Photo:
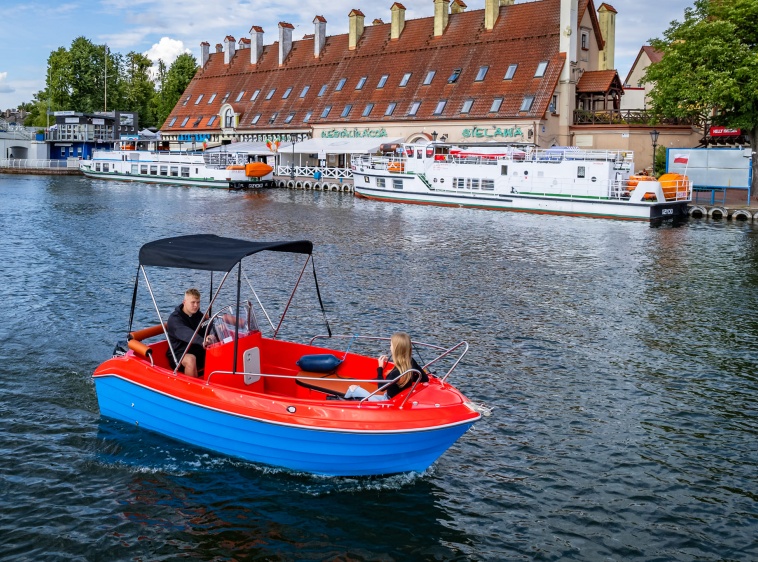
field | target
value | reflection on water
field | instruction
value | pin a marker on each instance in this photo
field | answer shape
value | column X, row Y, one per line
column 619, row 360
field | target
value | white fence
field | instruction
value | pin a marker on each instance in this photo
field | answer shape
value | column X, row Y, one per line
column 310, row 171
column 26, row 163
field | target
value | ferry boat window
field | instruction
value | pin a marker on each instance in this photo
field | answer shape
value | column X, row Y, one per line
column 346, row 110
column 153, row 170
column 440, row 107
column 391, row 108
column 143, row 169
column 271, row 93
column 226, row 97
column 380, row 182
column 255, row 95
column 504, row 170
column 414, row 108
column 289, row 118
column 134, row 169
column 97, row 164
column 199, row 98
column 105, row 167
column 184, row 121
column 307, row 117
column 185, row 171
column 367, row 109
column 366, row 179
column 488, row 185
column 361, row 83
column 510, row 72
column 467, row 104
column 255, row 118
column 526, row 104
column 406, row 77
column 481, row 74
column 164, row 170
column 305, row 91
column 287, row 93
column 454, row 76
column 175, row 171
column 340, row 84
column 239, row 96
column 473, row 183
column 429, row 77
column 211, row 120
column 213, row 97
column 397, row 184
column 173, row 120
column 459, row 183
column 382, row 81
column 541, row 68
column 187, row 100
column 580, row 171
column 326, row 111
column 322, row 91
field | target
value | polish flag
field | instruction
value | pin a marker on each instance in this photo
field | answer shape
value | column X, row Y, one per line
column 681, row 158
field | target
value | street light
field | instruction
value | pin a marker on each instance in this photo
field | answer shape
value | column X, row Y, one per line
column 434, row 136
column 654, row 137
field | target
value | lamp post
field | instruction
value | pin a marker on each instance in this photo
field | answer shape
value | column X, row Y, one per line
column 434, row 136
column 654, row 137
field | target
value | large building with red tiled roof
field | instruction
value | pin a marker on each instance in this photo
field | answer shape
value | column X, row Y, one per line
column 507, row 72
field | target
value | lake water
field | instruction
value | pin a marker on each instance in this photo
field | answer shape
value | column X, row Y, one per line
column 619, row 360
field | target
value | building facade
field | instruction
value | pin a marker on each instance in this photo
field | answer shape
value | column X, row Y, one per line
column 76, row 135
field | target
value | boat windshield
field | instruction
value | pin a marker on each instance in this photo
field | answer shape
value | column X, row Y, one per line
column 222, row 324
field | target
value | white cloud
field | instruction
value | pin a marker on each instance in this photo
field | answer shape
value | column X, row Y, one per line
column 5, row 88
column 167, row 50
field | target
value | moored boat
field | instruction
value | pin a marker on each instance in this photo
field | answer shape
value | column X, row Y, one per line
column 231, row 170
column 277, row 402
column 558, row 180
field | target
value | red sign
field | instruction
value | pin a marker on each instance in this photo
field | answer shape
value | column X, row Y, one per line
column 724, row 132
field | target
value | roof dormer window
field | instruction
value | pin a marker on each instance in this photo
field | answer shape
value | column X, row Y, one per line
column 361, row 83
column 496, row 103
column 305, row 91
column 289, row 117
column 526, row 103
column 239, row 96
column 429, row 77
column 211, row 120
column 382, row 81
column 326, row 111
column 510, row 72
column 391, row 108
column 271, row 93
column 466, row 108
column 307, row 117
column 454, row 76
column 481, row 74
column 340, row 84
column 256, row 93
column 187, row 100
column 273, row 117
column 226, row 97
column 287, row 93
column 367, row 109
column 199, row 98
column 541, row 68
column 440, row 107
column 213, row 97
column 184, row 121
column 346, row 110
column 256, row 118
column 171, row 123
column 322, row 91
column 197, row 121
column 414, row 108
column 406, row 77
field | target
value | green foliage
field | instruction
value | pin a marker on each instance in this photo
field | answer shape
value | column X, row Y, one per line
column 176, row 80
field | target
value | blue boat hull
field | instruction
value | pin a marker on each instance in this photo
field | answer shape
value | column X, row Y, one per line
column 327, row 452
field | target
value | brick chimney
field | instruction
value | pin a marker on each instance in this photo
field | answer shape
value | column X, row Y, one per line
column 377, row 21
column 398, row 20
column 441, row 12
column 285, row 40
column 319, row 35
column 568, row 36
column 457, row 7
column 229, row 48
column 256, row 44
column 205, row 49
column 606, row 16
column 219, row 48
column 356, row 28
column 492, row 11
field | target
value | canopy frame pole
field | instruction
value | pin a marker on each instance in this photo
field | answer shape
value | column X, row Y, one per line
column 292, row 295
column 237, row 317
column 252, row 290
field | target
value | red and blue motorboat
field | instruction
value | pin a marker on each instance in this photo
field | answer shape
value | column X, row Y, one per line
column 276, row 402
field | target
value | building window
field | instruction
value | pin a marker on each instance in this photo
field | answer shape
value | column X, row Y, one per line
column 340, row 84
column 273, row 117
column 289, row 117
column 429, row 77
column 226, row 97
column 367, row 109
column 256, row 93
column 361, row 83
column 382, row 81
column 307, row 117
column 200, row 97
column 271, row 93
column 184, row 121
column 173, row 120
column 510, row 72
column 541, row 68
column 467, row 106
column 481, row 74
column 322, row 91
column 326, row 111
column 256, row 118
column 211, row 120
column 346, row 110
column 454, row 76
column 229, row 118
column 391, row 108
column 440, row 107
column 186, row 100
column 239, row 96
column 553, row 107
column 585, row 40
column 213, row 97
column 414, row 108
column 305, row 91
column 287, row 93
column 197, row 121
column 526, row 104
column 496, row 103
column 404, row 81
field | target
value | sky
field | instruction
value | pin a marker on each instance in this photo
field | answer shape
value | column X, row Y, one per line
column 32, row 29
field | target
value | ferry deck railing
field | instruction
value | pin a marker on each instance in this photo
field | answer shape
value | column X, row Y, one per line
column 310, row 171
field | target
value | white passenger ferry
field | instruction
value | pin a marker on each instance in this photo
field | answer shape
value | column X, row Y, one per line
column 559, row 180
column 232, row 170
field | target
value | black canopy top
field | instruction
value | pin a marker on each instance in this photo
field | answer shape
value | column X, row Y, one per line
column 210, row 252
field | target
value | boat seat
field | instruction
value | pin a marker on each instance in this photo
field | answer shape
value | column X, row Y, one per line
column 330, row 383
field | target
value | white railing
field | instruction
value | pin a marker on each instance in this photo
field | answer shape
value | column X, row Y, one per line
column 309, row 171
column 26, row 163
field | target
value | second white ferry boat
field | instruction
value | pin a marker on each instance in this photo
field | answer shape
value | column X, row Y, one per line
column 559, row 180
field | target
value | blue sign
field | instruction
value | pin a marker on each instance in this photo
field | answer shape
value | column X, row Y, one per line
column 193, row 137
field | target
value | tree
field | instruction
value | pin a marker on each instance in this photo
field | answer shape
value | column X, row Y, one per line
column 138, row 87
column 709, row 68
column 178, row 77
